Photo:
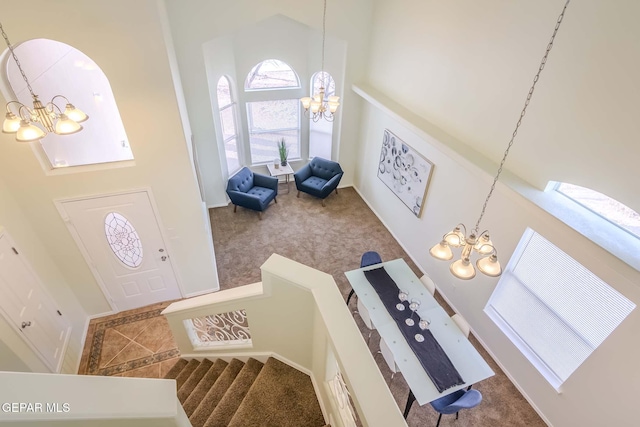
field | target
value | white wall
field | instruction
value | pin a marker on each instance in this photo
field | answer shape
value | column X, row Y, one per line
column 126, row 40
column 194, row 23
column 466, row 66
column 455, row 194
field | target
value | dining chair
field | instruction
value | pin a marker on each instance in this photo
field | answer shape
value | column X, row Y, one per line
column 368, row 258
column 388, row 357
column 428, row 283
column 452, row 403
column 462, row 324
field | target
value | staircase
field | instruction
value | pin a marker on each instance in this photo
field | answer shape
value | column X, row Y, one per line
column 251, row 394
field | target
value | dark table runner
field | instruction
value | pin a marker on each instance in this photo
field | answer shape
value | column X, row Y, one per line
column 431, row 356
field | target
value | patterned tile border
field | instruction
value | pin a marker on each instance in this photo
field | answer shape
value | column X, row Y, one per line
column 93, row 367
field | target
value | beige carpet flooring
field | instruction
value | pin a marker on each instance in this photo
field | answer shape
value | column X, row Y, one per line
column 332, row 239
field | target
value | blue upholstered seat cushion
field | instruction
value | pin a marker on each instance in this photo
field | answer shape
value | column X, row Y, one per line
column 314, row 183
column 263, row 193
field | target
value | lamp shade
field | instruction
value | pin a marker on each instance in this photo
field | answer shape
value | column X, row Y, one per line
column 75, row 114
column 11, row 123
column 489, row 266
column 484, row 245
column 455, row 238
column 462, row 269
column 66, row 126
column 28, row 132
column 306, row 101
column 441, row 251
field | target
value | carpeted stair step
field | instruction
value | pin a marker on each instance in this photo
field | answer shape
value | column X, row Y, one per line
column 236, row 392
column 176, row 369
column 215, row 394
column 186, row 372
column 194, row 379
column 203, row 387
column 280, row 396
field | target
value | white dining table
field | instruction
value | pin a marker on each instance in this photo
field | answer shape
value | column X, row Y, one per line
column 463, row 355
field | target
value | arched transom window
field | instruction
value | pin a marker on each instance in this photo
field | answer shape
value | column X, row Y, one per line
column 55, row 68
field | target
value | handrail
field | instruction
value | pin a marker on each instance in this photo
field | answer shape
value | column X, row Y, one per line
column 299, row 314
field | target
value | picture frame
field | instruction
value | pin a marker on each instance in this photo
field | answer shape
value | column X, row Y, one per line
column 405, row 171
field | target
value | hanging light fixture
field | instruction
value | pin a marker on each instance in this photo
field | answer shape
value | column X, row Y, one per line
column 49, row 116
column 477, row 242
column 318, row 107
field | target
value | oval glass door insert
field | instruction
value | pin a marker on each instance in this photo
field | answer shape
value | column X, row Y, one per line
column 123, row 239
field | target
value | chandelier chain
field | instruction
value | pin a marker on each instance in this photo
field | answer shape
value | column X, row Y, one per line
column 24, row 76
column 324, row 20
column 522, row 113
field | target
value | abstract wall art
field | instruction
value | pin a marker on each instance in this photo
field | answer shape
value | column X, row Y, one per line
column 404, row 171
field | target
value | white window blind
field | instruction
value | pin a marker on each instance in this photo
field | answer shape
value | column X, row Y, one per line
column 553, row 309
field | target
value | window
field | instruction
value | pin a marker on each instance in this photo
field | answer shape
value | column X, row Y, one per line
column 270, row 121
column 55, row 68
column 321, row 132
column 271, row 74
column 553, row 309
column 274, row 113
column 613, row 211
column 227, row 108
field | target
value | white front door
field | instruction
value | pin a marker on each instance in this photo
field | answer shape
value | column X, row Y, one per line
column 120, row 237
column 28, row 308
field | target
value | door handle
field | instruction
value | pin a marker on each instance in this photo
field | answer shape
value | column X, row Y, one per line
column 25, row 324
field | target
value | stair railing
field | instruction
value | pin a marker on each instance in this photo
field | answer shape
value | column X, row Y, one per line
column 296, row 314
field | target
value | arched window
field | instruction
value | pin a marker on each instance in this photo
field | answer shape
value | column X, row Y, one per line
column 227, row 108
column 271, row 74
column 55, row 68
column 613, row 211
column 321, row 132
column 278, row 116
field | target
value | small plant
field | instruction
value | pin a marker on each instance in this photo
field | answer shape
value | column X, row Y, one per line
column 283, row 151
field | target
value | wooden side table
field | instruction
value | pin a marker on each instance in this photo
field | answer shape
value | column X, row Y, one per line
column 280, row 171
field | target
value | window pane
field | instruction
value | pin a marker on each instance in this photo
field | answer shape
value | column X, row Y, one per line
column 224, row 92
column 228, row 122
column 271, row 74
column 554, row 310
column 269, row 121
column 610, row 209
column 328, row 82
column 231, row 151
column 276, row 114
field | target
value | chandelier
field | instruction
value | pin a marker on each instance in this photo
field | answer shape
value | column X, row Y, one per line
column 321, row 107
column 481, row 243
column 50, row 116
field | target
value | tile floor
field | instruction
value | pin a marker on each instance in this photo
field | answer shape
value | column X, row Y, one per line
column 134, row 343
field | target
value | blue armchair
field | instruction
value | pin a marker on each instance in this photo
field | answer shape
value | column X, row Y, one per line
column 318, row 178
column 251, row 190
